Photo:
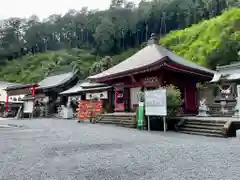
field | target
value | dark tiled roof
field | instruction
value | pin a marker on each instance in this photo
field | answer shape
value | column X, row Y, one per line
column 149, row 55
column 21, row 86
column 56, row 80
column 4, row 85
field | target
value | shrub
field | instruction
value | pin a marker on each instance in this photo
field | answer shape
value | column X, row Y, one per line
column 173, row 100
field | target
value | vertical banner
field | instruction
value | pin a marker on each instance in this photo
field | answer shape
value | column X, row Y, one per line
column 140, row 115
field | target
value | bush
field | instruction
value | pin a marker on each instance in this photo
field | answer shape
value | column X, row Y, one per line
column 173, row 100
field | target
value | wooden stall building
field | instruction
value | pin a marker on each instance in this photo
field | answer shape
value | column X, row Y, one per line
column 45, row 94
column 85, row 93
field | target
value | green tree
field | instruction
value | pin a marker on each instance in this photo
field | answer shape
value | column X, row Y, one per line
column 99, row 66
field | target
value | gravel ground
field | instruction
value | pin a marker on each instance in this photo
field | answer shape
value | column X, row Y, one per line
column 64, row 150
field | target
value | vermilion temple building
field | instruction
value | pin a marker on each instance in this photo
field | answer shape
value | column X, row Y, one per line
column 151, row 67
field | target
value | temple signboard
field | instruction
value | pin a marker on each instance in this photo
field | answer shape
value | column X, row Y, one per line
column 152, row 81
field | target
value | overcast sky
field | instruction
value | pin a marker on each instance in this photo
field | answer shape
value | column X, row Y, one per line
column 44, row 8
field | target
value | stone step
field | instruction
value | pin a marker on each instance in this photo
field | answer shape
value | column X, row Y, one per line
column 107, row 122
column 123, row 121
column 205, row 123
column 222, row 115
column 128, row 120
column 128, row 125
column 197, row 126
column 201, row 133
column 112, row 118
column 119, row 116
column 210, row 131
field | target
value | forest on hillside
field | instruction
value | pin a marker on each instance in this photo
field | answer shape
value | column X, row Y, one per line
column 92, row 41
column 210, row 43
column 107, row 32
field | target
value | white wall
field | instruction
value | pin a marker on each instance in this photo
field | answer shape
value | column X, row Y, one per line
column 3, row 97
column 134, row 95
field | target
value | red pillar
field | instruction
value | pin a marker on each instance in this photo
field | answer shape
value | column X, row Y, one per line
column 33, row 91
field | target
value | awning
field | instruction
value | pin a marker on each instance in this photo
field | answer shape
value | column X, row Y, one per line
column 79, row 89
column 75, row 89
column 96, row 89
column 234, row 76
column 91, row 84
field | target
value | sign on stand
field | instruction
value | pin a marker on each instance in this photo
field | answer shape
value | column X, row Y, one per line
column 156, row 104
column 237, row 107
column 88, row 109
column 28, row 107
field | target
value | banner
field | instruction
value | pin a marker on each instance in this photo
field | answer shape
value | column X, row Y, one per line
column 140, row 115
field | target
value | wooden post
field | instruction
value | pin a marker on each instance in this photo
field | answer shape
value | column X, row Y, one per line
column 148, row 123
column 7, row 104
column 164, row 124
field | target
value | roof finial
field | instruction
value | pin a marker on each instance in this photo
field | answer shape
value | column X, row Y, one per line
column 153, row 39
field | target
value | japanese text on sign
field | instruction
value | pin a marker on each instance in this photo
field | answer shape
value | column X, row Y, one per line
column 156, row 102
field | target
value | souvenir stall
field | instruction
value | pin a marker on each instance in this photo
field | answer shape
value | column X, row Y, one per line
column 91, row 96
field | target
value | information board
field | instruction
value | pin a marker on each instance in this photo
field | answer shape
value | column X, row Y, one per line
column 28, row 107
column 156, row 102
column 87, row 108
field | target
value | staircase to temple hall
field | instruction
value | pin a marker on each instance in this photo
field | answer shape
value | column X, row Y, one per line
column 120, row 119
column 201, row 126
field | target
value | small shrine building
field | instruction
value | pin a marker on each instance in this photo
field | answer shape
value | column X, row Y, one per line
column 90, row 91
column 224, row 86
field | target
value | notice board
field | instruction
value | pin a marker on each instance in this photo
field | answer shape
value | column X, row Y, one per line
column 88, row 108
column 156, row 102
column 28, row 106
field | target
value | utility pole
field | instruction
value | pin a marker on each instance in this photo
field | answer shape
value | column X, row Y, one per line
column 87, row 37
column 82, row 34
column 123, row 39
column 146, row 32
column 163, row 25
column 139, row 37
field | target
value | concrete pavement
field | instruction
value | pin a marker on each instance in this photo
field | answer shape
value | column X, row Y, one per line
column 65, row 150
